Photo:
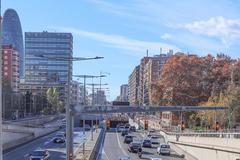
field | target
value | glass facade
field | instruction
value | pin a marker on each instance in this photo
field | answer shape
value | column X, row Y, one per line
column 51, row 70
column 12, row 35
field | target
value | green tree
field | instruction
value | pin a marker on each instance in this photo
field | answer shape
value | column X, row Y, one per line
column 53, row 100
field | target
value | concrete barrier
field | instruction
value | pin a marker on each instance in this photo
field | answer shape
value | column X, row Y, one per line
column 207, row 147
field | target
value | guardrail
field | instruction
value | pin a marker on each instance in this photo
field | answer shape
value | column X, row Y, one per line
column 208, row 134
column 97, row 148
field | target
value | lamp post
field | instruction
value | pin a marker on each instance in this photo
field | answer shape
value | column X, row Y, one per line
column 69, row 117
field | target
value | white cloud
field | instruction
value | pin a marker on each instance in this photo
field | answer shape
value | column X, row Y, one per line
column 227, row 30
column 121, row 42
column 166, row 36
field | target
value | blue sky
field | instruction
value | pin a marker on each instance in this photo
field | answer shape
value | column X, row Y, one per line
column 122, row 31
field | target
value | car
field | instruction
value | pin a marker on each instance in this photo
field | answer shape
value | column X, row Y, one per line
column 128, row 139
column 134, row 146
column 59, row 138
column 155, row 139
column 147, row 143
column 132, row 128
column 155, row 158
column 120, row 128
column 164, row 149
column 124, row 132
column 87, row 127
column 39, row 155
column 125, row 158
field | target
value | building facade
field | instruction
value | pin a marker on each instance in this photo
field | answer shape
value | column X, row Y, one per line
column 133, row 86
column 47, row 60
column 77, row 93
column 12, row 35
column 10, row 69
column 124, row 93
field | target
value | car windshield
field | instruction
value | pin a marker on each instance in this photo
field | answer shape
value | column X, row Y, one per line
column 38, row 153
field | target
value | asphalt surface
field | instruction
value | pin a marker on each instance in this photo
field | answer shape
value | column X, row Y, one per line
column 114, row 148
column 57, row 151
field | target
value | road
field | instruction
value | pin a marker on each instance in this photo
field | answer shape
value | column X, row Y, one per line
column 57, row 151
column 114, row 148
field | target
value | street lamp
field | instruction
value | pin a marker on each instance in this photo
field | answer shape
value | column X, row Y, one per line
column 69, row 118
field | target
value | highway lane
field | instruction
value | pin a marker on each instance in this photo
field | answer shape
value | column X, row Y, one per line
column 114, row 148
column 57, row 151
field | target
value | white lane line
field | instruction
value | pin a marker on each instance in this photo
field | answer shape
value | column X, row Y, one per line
column 105, row 154
column 119, row 144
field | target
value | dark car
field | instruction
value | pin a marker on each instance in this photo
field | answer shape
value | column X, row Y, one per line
column 59, row 138
column 147, row 143
column 128, row 139
column 134, row 147
column 124, row 132
column 39, row 155
column 133, row 129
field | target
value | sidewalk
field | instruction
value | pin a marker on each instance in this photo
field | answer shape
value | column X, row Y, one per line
column 89, row 145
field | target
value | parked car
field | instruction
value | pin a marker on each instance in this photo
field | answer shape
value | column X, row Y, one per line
column 39, row 155
column 134, row 147
column 132, row 128
column 147, row 143
column 164, row 149
column 124, row 132
column 59, row 138
column 128, row 139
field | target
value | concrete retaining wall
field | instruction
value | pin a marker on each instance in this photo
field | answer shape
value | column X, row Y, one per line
column 204, row 148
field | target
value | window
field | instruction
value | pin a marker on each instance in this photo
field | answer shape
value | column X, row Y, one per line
column 5, row 73
column 5, row 57
column 5, row 68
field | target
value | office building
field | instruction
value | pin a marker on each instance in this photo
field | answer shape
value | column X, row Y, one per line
column 12, row 35
column 48, row 61
column 124, row 93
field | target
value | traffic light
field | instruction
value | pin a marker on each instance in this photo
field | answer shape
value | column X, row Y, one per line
column 217, row 126
column 183, row 126
column 146, row 125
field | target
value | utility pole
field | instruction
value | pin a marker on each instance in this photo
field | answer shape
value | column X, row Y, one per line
column 1, row 106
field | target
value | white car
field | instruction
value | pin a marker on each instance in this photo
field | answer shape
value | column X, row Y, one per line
column 155, row 139
column 164, row 149
column 155, row 158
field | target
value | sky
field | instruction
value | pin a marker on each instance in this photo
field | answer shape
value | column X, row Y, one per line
column 122, row 31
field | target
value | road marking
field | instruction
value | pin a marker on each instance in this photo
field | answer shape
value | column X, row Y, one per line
column 105, row 154
column 119, row 144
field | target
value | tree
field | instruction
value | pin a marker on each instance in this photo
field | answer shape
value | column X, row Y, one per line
column 53, row 100
column 232, row 101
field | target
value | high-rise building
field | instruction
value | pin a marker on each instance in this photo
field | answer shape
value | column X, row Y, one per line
column 98, row 98
column 149, row 73
column 133, row 86
column 53, row 68
column 12, row 35
column 10, row 69
column 124, row 93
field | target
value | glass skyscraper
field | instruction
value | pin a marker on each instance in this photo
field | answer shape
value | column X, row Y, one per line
column 12, row 35
column 51, row 71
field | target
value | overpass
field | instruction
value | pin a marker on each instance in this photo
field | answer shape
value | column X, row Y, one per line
column 134, row 109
